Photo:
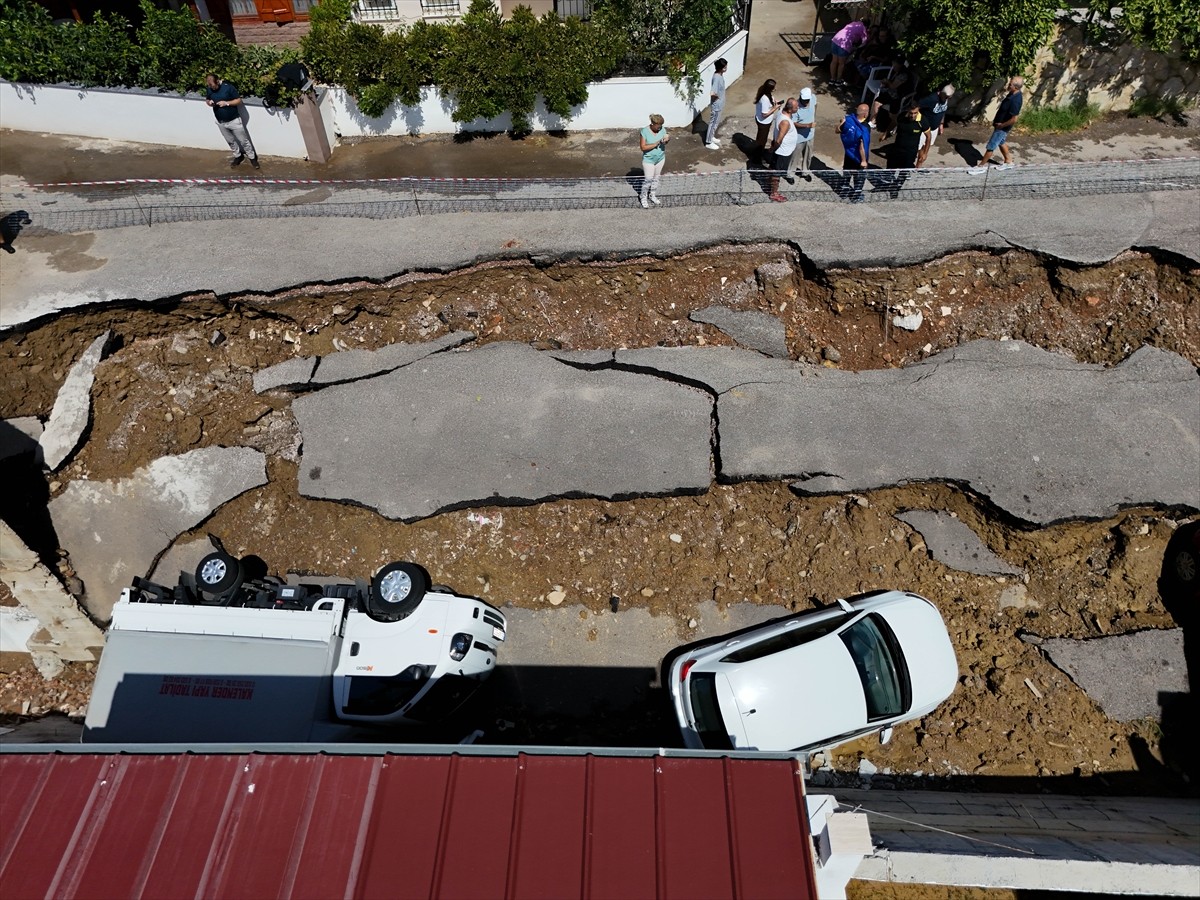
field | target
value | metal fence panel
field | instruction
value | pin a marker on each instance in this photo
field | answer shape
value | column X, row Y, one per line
column 87, row 206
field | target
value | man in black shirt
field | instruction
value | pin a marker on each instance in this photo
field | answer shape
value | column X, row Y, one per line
column 1005, row 119
column 225, row 101
column 902, row 154
column 933, row 117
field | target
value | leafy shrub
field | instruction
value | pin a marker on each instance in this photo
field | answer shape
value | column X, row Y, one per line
column 1155, row 107
column 169, row 50
column 488, row 65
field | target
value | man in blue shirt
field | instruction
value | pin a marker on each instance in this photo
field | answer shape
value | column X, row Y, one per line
column 856, row 145
column 1002, row 123
column 226, row 104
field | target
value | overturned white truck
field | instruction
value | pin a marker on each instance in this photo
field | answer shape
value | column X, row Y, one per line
column 230, row 654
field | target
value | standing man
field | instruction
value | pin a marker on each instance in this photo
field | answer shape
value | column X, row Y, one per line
column 1006, row 118
column 902, row 155
column 783, row 144
column 804, row 118
column 225, row 101
column 933, row 116
column 856, row 144
column 716, row 104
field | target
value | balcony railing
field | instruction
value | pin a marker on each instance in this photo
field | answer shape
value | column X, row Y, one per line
column 390, row 10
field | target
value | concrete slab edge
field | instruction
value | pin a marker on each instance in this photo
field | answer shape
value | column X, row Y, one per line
column 1024, row 873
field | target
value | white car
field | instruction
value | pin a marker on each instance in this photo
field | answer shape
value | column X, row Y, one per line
column 815, row 679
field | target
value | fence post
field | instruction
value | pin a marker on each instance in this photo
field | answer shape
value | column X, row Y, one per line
column 413, row 187
column 983, row 188
column 145, row 214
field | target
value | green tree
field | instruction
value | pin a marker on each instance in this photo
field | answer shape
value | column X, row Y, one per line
column 972, row 43
column 670, row 36
column 1157, row 24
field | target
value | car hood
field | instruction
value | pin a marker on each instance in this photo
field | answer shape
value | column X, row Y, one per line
column 800, row 697
column 932, row 666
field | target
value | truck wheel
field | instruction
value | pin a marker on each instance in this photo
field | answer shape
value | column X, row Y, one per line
column 218, row 573
column 396, row 590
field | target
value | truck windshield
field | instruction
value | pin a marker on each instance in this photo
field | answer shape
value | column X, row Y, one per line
column 876, row 654
column 381, row 695
column 446, row 695
column 707, row 712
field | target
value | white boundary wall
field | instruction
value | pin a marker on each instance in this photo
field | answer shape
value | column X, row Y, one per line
column 183, row 120
column 615, row 103
column 144, row 116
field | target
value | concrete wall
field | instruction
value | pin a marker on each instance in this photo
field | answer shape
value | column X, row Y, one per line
column 143, row 116
column 615, row 103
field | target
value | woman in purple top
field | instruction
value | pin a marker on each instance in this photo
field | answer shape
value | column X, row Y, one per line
column 846, row 42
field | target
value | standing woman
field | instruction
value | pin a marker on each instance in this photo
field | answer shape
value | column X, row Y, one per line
column 652, row 139
column 765, row 109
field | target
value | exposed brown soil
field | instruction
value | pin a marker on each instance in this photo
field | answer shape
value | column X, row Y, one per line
column 174, row 385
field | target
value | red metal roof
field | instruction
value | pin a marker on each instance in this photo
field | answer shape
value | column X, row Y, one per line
column 397, row 826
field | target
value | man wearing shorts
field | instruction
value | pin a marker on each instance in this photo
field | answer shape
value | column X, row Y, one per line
column 933, row 115
column 1006, row 118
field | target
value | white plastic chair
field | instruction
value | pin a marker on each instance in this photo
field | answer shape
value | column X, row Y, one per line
column 875, row 82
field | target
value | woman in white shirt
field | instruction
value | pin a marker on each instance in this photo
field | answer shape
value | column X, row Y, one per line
column 765, row 108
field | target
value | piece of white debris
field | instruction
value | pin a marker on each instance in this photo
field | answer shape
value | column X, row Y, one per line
column 946, row 310
column 1029, row 684
column 677, row 538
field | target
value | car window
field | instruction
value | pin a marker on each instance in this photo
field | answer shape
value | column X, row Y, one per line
column 707, row 712
column 880, row 664
column 374, row 695
column 793, row 637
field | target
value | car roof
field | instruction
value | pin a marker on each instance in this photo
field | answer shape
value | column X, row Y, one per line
column 784, row 698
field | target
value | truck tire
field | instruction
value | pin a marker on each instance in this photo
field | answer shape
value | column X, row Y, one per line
column 396, row 591
column 219, row 573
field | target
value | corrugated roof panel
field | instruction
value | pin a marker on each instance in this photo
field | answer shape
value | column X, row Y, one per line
column 269, row 817
column 548, row 834
column 772, row 857
column 48, row 821
column 620, row 860
column 476, row 829
column 132, row 811
column 189, row 848
column 693, row 830
column 397, row 826
column 336, row 829
column 400, row 855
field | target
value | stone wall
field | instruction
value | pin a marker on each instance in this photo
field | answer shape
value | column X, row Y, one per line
column 1110, row 72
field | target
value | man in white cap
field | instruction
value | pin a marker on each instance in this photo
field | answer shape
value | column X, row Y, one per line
column 933, row 117
column 803, row 119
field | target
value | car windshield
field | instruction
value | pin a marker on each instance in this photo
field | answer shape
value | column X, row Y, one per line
column 880, row 664
column 707, row 712
column 793, row 637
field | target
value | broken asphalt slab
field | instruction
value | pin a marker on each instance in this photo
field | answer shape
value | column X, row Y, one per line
column 1043, row 437
column 1126, row 673
column 114, row 530
column 952, row 543
column 126, row 263
column 72, row 407
column 502, row 423
column 350, row 365
column 751, row 329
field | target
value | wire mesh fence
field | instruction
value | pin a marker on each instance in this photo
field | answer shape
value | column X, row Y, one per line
column 87, row 206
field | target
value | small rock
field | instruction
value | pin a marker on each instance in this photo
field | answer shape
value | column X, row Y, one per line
column 554, row 598
column 1092, row 301
column 217, row 338
column 866, row 768
column 692, row 623
column 614, row 602
column 909, row 323
column 647, row 592
column 676, row 538
column 862, row 501
column 74, row 586
column 831, row 354
column 925, row 289
column 946, row 310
